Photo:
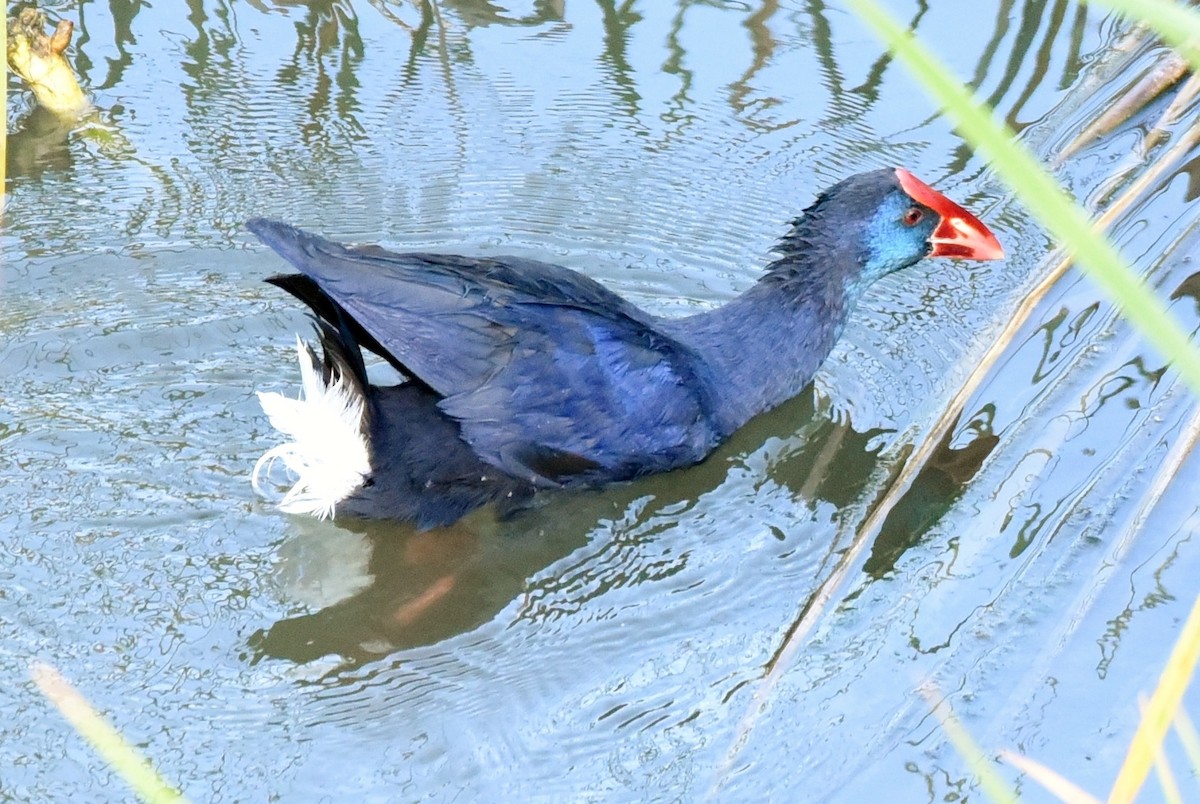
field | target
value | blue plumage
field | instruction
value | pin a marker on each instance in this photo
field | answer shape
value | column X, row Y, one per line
column 549, row 375
column 527, row 375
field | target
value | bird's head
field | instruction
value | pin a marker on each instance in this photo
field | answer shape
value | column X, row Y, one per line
column 874, row 223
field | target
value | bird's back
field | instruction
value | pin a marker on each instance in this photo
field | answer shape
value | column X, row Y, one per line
column 551, row 377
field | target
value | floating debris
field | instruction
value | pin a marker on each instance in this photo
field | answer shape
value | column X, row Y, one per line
column 1166, row 73
column 39, row 60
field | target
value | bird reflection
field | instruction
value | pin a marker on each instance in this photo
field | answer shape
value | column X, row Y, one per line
column 417, row 588
column 940, row 483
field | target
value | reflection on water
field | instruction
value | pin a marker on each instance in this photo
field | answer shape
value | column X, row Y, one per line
column 608, row 641
column 409, row 588
column 40, row 145
column 327, row 59
column 937, row 488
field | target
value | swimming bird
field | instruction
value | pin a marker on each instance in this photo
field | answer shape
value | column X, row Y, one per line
column 521, row 375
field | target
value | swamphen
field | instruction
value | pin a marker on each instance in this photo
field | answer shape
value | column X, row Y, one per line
column 524, row 375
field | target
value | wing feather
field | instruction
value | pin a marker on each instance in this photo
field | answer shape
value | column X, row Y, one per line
column 552, row 377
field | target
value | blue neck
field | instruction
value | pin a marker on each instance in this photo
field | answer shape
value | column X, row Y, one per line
column 764, row 347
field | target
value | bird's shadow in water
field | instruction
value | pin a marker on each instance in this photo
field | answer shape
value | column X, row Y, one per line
column 422, row 588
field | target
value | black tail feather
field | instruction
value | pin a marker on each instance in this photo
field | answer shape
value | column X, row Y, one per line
column 341, row 358
column 327, row 310
column 421, row 469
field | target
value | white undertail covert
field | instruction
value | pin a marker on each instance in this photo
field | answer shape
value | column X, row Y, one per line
column 327, row 453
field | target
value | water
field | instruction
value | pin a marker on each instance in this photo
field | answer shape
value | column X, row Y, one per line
column 607, row 645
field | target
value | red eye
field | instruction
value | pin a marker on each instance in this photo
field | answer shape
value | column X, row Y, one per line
column 913, row 216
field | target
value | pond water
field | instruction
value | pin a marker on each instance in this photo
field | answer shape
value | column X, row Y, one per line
column 609, row 645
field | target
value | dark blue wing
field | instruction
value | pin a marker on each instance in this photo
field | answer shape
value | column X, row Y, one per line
column 551, row 376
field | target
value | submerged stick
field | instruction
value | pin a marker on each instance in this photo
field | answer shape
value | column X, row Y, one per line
column 1169, row 70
